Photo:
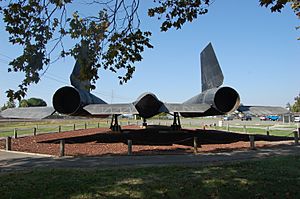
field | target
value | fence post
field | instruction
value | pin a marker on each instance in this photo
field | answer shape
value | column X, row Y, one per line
column 227, row 127
column 129, row 142
column 74, row 127
column 296, row 137
column 252, row 142
column 15, row 133
column 62, row 148
column 59, row 128
column 245, row 129
column 195, row 145
column 34, row 131
column 98, row 125
column 85, row 125
column 268, row 130
column 8, row 143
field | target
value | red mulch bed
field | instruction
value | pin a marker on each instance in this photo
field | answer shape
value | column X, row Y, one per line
column 31, row 144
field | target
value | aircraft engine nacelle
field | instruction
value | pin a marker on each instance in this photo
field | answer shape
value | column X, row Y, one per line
column 222, row 100
column 69, row 100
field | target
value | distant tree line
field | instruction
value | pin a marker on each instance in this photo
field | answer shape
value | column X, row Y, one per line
column 296, row 106
column 31, row 102
column 9, row 104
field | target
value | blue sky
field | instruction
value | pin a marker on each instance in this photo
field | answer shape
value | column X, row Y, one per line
column 258, row 52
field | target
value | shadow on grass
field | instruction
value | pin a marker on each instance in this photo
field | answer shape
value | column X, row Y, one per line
column 276, row 177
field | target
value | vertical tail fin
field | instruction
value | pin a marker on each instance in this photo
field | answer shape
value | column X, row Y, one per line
column 211, row 73
column 81, row 63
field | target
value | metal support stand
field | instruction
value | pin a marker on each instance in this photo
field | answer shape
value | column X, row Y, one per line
column 114, row 125
column 176, row 122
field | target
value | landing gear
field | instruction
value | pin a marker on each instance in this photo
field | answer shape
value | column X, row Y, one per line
column 144, row 123
column 176, row 122
column 114, row 125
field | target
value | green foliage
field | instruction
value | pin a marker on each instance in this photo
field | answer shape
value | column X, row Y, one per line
column 113, row 35
column 278, row 5
column 9, row 104
column 275, row 5
column 177, row 13
column 23, row 103
column 40, row 27
column 296, row 105
column 32, row 102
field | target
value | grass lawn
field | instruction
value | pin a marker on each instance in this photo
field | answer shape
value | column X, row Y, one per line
column 251, row 130
column 276, row 177
column 46, row 126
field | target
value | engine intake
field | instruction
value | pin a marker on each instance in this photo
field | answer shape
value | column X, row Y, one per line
column 69, row 100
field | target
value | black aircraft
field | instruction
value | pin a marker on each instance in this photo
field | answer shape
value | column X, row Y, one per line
column 76, row 100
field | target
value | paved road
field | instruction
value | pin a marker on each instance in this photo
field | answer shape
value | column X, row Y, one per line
column 10, row 161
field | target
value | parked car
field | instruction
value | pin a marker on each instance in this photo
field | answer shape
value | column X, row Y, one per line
column 273, row 117
column 263, row 118
column 246, row 117
column 228, row 117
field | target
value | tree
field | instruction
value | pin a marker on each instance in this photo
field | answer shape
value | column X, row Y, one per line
column 288, row 106
column 9, row 104
column 23, row 103
column 113, row 35
column 32, row 102
column 296, row 105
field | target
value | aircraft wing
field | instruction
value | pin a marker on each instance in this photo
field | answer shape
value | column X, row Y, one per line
column 28, row 112
column 186, row 108
column 263, row 110
column 110, row 109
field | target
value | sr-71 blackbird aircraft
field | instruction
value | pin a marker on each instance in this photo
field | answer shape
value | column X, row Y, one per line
column 76, row 100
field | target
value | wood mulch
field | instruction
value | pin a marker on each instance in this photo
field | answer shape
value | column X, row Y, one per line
column 32, row 144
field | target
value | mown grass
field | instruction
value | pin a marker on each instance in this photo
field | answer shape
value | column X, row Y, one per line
column 277, row 177
column 251, row 130
column 46, row 126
